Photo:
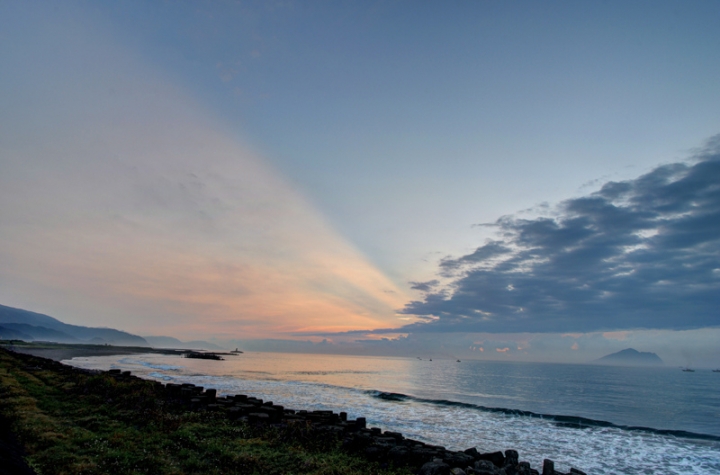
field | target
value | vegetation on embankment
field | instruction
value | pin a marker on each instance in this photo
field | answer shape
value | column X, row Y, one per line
column 72, row 421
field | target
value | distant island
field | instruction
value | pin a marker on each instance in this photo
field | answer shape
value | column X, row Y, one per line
column 630, row 357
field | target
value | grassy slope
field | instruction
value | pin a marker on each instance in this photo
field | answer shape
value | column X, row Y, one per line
column 72, row 422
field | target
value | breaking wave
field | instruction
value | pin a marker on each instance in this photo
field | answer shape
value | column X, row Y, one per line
column 573, row 422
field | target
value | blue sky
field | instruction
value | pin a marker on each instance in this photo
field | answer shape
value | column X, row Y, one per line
column 290, row 169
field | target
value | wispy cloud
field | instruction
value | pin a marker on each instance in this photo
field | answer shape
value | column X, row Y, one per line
column 125, row 203
column 642, row 253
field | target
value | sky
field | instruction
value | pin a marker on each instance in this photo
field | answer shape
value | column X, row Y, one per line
column 517, row 180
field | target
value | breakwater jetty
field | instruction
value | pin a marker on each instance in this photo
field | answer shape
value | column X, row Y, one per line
column 384, row 447
column 70, row 420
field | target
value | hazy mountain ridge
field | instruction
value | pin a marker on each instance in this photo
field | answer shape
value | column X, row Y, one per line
column 631, row 357
column 170, row 342
column 25, row 325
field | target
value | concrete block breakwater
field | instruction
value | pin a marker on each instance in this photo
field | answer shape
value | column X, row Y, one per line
column 384, row 447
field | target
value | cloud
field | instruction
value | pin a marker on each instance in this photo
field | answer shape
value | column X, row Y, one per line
column 619, row 336
column 642, row 253
column 424, row 286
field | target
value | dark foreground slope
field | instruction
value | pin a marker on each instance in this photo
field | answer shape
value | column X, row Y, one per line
column 73, row 421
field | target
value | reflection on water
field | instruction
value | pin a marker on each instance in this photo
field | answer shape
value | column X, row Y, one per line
column 659, row 398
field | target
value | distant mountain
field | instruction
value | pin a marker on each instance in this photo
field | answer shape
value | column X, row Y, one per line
column 9, row 334
column 21, row 324
column 170, row 342
column 631, row 357
column 40, row 333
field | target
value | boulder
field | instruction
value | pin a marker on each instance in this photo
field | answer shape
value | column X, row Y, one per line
column 472, row 451
column 211, row 394
column 486, row 467
column 373, row 453
column 511, row 457
column 523, row 468
column 497, row 458
column 435, row 468
column 258, row 418
column 398, row 455
column 421, row 455
column 460, row 460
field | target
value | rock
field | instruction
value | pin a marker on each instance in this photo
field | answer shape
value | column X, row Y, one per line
column 511, row 457
column 523, row 468
column 421, row 455
column 435, row 468
column 373, row 453
column 486, row 467
column 211, row 394
column 258, row 417
column 548, row 467
column 575, row 471
column 459, row 459
column 457, row 471
column 385, row 441
column 497, row 458
column 398, row 455
column 472, row 451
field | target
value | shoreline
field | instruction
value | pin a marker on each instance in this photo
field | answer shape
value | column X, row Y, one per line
column 389, row 449
column 351, row 437
column 66, row 351
column 456, row 443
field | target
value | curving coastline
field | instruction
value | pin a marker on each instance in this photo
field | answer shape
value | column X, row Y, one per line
column 383, row 448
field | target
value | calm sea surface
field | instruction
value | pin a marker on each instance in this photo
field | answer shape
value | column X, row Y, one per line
column 603, row 420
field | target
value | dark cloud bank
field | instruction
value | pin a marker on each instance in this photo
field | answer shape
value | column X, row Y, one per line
column 643, row 253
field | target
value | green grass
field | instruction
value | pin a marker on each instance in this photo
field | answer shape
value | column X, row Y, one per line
column 75, row 423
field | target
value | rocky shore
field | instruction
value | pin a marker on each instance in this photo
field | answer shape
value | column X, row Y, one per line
column 384, row 447
column 122, row 396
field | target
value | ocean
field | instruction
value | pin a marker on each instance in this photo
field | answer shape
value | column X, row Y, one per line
column 600, row 419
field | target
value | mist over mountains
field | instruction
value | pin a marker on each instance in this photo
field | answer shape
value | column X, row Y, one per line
column 25, row 325
column 19, row 324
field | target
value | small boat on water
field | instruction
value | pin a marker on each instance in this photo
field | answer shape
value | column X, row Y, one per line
column 236, row 352
column 688, row 370
column 716, row 371
column 458, row 361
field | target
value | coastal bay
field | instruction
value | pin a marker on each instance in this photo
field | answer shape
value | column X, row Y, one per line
column 601, row 420
column 488, row 405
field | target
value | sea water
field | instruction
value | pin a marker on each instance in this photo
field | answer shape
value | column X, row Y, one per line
column 600, row 419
